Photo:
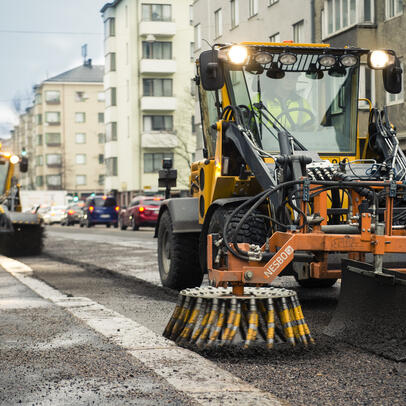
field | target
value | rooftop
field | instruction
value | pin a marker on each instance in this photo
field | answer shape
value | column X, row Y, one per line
column 107, row 5
column 83, row 73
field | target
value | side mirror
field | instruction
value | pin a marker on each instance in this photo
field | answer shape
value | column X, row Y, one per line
column 392, row 77
column 211, row 70
column 23, row 164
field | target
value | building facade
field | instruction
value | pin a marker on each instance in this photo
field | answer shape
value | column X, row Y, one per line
column 228, row 21
column 371, row 24
column 147, row 81
column 68, row 133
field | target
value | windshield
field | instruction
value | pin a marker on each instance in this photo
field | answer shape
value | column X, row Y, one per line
column 320, row 113
column 104, row 202
column 3, row 175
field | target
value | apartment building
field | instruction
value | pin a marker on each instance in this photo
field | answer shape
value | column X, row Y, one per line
column 149, row 107
column 371, row 24
column 69, row 131
column 228, row 21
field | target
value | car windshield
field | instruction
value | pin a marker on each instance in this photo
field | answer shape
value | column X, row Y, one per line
column 156, row 203
column 104, row 202
column 319, row 110
column 57, row 208
column 4, row 165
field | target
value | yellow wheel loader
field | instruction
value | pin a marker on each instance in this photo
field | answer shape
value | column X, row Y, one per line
column 20, row 233
column 286, row 187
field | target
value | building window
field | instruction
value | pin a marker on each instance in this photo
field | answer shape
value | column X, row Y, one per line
column 298, row 29
column 111, row 131
column 157, row 50
column 39, row 180
column 101, row 159
column 100, row 117
column 39, row 139
column 80, row 96
column 366, row 86
column 109, row 28
column 39, row 160
column 111, row 62
column 38, row 98
column 53, row 117
column 396, row 98
column 158, row 123
column 253, row 8
column 275, row 37
column 80, row 159
column 191, row 14
column 54, row 160
column 38, row 119
column 52, row 97
column 54, row 180
column 53, row 139
column 80, row 138
column 198, row 36
column 156, row 12
column 80, row 180
column 153, row 161
column 218, row 23
column 111, row 97
column 341, row 14
column 111, row 166
column 157, row 87
column 393, row 8
column 101, row 180
column 101, row 97
column 102, row 138
column 235, row 13
column 80, row 117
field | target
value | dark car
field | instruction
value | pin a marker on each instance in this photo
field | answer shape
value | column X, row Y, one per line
column 100, row 210
column 142, row 211
column 72, row 214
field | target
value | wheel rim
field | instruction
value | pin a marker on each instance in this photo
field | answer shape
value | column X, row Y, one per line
column 166, row 252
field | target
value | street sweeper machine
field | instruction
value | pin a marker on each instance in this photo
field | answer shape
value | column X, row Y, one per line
column 287, row 186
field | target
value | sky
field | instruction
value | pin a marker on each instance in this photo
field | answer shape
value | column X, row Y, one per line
column 40, row 39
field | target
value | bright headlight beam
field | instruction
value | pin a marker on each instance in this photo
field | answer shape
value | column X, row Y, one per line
column 237, row 54
column 14, row 159
column 379, row 59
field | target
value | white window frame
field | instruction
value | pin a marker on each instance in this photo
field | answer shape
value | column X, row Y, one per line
column 80, row 138
column 329, row 9
column 218, row 23
column 77, row 120
column 235, row 13
column 81, row 177
column 80, row 159
column 101, row 96
column 275, row 37
column 49, row 114
column 252, row 8
column 397, row 98
column 49, row 177
column 53, row 159
column 299, row 29
column 396, row 10
column 363, row 105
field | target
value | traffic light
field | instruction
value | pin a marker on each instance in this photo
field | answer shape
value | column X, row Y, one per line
column 75, row 197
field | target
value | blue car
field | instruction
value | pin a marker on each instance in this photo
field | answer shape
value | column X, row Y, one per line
column 100, row 210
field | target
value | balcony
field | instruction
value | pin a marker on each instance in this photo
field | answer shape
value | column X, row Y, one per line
column 158, row 103
column 158, row 28
column 157, row 66
column 159, row 140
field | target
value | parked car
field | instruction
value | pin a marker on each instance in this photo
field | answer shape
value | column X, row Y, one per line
column 54, row 214
column 72, row 214
column 142, row 211
column 100, row 210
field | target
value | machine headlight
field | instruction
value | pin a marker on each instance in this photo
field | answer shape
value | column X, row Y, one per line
column 263, row 57
column 287, row 58
column 237, row 54
column 348, row 60
column 14, row 159
column 380, row 59
column 327, row 60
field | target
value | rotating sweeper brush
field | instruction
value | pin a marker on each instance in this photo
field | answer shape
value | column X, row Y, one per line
column 210, row 316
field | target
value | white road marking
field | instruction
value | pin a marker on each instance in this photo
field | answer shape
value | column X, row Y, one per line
column 188, row 372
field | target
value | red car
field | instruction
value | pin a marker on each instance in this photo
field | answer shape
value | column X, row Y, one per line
column 143, row 211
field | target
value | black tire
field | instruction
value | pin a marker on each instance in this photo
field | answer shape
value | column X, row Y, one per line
column 134, row 225
column 122, row 225
column 178, row 256
column 81, row 224
column 313, row 283
column 108, row 225
column 26, row 240
column 115, row 225
column 88, row 223
column 253, row 231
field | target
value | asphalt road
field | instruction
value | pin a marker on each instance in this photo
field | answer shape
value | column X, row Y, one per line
column 53, row 356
